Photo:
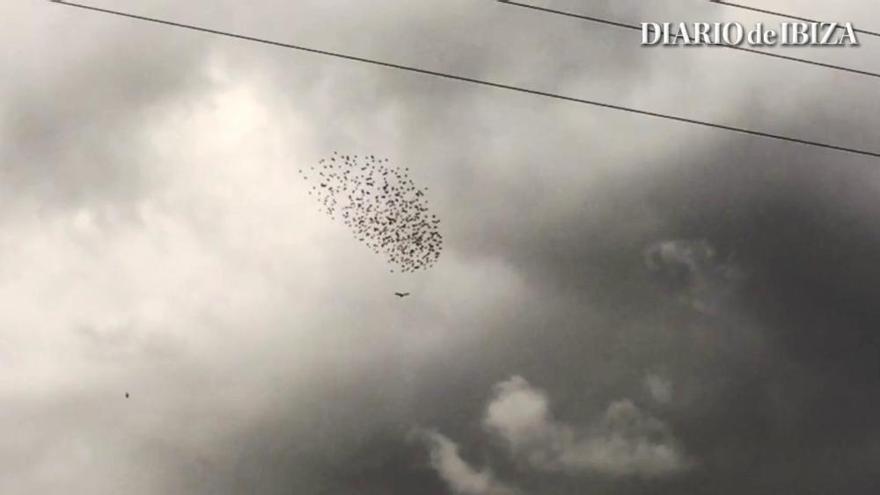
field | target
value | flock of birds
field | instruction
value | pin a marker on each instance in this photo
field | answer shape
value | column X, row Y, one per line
column 382, row 207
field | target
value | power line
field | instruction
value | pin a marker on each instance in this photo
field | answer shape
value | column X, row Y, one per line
column 781, row 14
column 481, row 82
column 732, row 47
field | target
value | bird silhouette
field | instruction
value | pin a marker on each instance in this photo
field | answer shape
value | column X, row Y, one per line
column 126, row 395
column 401, row 294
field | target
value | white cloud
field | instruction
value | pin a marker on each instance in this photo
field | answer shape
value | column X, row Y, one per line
column 659, row 388
column 624, row 442
column 695, row 272
column 461, row 477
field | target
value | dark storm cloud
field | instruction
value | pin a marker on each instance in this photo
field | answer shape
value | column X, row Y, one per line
column 807, row 392
column 794, row 368
column 608, row 321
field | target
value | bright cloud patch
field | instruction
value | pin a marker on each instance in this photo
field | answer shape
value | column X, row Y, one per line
column 624, row 442
column 461, row 477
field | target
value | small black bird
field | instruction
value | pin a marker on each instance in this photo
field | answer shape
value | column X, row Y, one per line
column 401, row 294
column 126, row 395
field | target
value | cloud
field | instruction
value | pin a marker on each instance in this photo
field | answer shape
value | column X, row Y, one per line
column 624, row 442
column 694, row 271
column 659, row 388
column 218, row 296
column 461, row 477
column 154, row 241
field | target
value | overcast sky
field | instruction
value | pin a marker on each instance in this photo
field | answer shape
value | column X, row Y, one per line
column 624, row 305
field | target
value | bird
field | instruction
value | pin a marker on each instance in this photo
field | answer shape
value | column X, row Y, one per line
column 401, row 294
column 126, row 395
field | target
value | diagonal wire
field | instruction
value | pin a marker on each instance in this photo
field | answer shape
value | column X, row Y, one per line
column 732, row 47
column 782, row 14
column 482, row 82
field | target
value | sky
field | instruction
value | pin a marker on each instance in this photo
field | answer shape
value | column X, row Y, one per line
column 623, row 306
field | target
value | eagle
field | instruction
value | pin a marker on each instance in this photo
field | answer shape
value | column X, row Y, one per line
column 401, row 294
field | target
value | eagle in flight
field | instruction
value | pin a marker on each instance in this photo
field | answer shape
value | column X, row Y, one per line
column 401, row 294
